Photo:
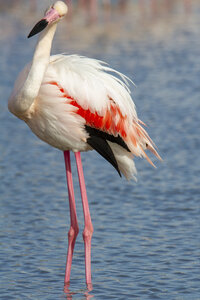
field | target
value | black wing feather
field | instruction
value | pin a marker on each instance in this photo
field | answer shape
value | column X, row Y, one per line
column 98, row 141
column 103, row 148
column 106, row 136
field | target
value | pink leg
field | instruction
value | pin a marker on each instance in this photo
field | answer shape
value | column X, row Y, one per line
column 73, row 231
column 88, row 230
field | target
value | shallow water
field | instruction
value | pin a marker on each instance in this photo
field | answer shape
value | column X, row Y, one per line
column 147, row 234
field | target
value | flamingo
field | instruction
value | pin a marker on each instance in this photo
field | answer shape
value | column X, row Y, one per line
column 78, row 104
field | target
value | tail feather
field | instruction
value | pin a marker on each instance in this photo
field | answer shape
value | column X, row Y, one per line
column 125, row 161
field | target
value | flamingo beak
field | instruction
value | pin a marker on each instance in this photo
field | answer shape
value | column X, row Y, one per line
column 51, row 16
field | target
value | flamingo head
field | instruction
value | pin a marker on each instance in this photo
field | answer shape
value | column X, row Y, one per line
column 56, row 12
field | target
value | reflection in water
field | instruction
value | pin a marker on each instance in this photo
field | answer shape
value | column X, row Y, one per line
column 157, row 7
column 92, row 10
column 125, row 21
column 111, row 20
column 69, row 294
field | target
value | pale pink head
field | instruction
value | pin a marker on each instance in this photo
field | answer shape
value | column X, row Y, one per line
column 56, row 12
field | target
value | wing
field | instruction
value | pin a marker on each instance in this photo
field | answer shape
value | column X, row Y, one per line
column 104, row 103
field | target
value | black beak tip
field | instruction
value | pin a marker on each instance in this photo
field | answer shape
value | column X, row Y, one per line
column 42, row 24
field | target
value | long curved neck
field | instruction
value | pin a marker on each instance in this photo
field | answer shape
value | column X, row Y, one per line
column 22, row 99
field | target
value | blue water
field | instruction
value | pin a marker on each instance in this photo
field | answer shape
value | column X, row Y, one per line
column 146, row 242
